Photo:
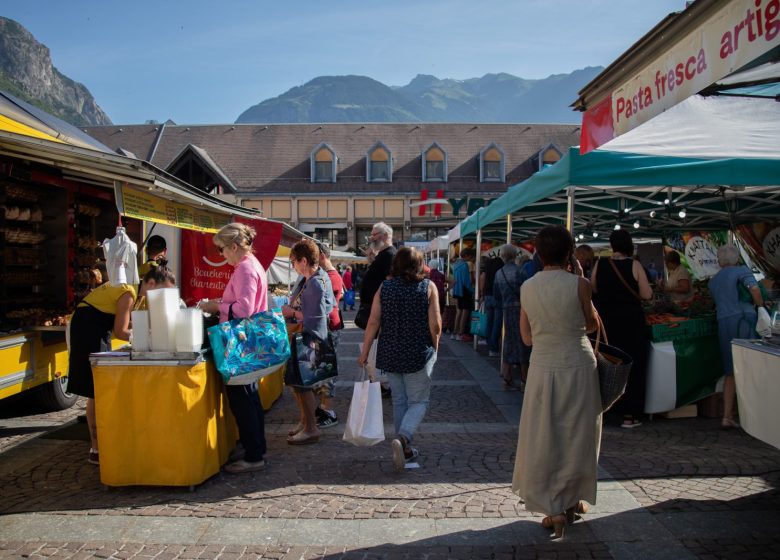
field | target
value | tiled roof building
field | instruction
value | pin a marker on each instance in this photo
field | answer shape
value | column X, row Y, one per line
column 336, row 180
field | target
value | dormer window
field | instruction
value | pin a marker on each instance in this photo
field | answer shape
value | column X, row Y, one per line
column 491, row 164
column 323, row 164
column 434, row 163
column 549, row 156
column 379, row 164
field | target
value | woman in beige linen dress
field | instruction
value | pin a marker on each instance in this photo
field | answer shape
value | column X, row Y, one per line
column 560, row 425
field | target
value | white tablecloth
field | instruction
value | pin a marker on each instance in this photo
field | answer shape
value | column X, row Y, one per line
column 757, row 374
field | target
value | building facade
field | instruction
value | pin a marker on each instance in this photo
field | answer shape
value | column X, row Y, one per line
column 333, row 181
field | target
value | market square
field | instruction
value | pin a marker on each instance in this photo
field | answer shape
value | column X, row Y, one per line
column 489, row 317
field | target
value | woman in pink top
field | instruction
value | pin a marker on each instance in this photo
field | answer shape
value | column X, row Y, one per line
column 245, row 295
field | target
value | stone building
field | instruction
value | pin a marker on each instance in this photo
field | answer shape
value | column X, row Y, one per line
column 333, row 181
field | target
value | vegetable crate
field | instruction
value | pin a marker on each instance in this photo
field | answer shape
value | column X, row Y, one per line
column 692, row 328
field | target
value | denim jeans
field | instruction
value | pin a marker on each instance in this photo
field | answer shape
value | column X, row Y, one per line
column 411, row 393
column 495, row 320
column 250, row 418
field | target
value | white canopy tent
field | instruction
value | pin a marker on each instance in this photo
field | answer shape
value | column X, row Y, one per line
column 708, row 127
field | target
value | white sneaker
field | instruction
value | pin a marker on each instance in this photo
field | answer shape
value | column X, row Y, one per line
column 399, row 460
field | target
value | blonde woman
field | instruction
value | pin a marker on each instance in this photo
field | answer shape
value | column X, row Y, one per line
column 245, row 294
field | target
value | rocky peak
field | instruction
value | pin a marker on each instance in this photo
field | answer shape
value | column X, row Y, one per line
column 26, row 71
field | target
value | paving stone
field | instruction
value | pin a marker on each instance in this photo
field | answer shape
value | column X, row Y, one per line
column 681, row 483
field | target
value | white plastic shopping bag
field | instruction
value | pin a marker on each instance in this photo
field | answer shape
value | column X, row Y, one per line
column 373, row 373
column 365, row 426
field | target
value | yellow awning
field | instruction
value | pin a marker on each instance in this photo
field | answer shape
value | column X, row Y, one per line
column 10, row 125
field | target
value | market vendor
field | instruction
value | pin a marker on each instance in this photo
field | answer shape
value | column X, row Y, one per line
column 156, row 251
column 678, row 285
column 103, row 312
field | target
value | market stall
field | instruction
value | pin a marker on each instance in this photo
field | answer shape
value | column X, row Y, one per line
column 690, row 89
column 136, row 398
column 60, row 201
column 655, row 197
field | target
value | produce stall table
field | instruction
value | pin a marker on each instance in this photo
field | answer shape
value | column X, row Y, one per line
column 161, row 423
column 684, row 364
column 757, row 375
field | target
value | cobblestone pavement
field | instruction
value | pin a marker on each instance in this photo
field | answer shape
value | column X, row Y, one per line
column 670, row 489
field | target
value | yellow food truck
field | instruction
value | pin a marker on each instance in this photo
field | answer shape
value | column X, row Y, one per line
column 61, row 194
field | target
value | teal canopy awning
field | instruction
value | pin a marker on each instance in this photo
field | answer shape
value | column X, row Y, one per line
column 615, row 187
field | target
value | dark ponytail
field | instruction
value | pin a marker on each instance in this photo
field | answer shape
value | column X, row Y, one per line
column 160, row 273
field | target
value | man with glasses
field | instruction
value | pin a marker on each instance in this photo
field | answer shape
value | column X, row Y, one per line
column 380, row 243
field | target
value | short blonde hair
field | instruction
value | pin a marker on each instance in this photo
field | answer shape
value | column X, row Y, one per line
column 240, row 234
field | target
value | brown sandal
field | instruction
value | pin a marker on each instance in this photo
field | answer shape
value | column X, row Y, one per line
column 575, row 512
column 297, row 429
column 556, row 522
column 298, row 439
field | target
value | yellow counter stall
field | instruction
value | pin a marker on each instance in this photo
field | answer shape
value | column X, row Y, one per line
column 165, row 422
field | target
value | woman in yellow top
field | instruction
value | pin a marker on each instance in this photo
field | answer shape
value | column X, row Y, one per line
column 103, row 312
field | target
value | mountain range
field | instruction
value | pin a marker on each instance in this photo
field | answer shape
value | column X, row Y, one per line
column 26, row 71
column 493, row 98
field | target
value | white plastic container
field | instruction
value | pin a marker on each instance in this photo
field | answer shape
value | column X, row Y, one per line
column 189, row 330
column 141, row 334
column 163, row 310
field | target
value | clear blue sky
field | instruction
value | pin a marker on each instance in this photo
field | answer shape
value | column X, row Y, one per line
column 199, row 61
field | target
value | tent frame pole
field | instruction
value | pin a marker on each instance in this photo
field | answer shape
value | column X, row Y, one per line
column 570, row 208
column 478, row 257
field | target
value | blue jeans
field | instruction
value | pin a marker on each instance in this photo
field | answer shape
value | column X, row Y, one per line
column 411, row 393
column 495, row 320
column 250, row 418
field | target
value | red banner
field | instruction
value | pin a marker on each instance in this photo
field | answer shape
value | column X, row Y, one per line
column 205, row 272
column 597, row 128
column 437, row 207
column 424, row 208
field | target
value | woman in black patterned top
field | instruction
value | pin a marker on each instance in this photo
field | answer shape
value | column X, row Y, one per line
column 406, row 316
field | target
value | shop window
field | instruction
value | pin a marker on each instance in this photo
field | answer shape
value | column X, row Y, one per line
column 491, row 164
column 323, row 164
column 379, row 166
column 434, row 164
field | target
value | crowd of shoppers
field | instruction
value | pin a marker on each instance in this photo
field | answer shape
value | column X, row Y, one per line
column 539, row 314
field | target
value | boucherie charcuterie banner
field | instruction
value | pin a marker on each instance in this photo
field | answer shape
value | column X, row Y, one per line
column 205, row 273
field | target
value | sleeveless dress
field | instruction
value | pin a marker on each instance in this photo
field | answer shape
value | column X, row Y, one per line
column 560, row 424
column 624, row 321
